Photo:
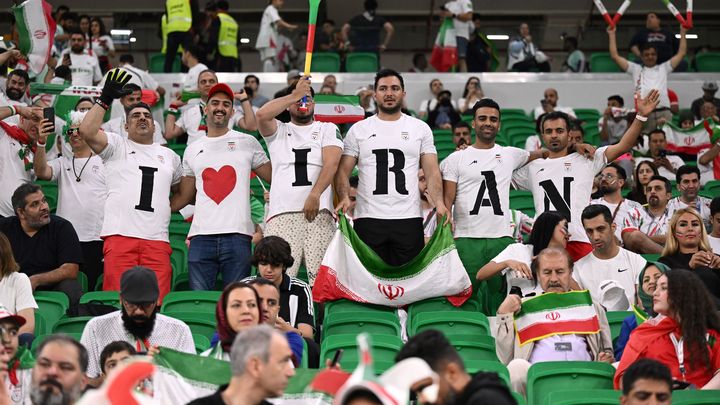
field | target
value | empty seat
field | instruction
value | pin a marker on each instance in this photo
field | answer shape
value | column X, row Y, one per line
column 522, row 200
column 708, row 62
column 601, row 62
column 450, row 322
column 361, row 62
column 202, row 342
column 440, row 304
column 105, row 297
column 382, row 347
column 71, row 325
column 546, row 377
column 474, row 347
column 325, row 62
column 52, row 305
column 157, row 63
column 191, row 301
column 712, row 188
column 513, row 112
column 569, row 396
column 589, row 115
column 374, row 323
column 342, row 306
column 199, row 323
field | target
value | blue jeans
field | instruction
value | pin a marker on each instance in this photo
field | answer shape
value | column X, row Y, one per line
column 209, row 255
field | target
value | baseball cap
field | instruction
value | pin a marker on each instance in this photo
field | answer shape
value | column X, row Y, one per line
column 221, row 88
column 710, row 85
column 5, row 314
column 612, row 296
column 293, row 73
column 139, row 285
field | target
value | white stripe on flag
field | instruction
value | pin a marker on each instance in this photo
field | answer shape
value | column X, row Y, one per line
column 562, row 314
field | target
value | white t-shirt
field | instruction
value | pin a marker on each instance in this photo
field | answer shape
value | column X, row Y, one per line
column 12, row 171
column 521, row 253
column 651, row 225
column 20, row 393
column 627, row 216
column 16, row 292
column 701, row 205
column 191, row 78
column 707, row 172
column 267, row 36
column 457, row 7
column 533, row 143
column 97, row 48
column 714, row 244
column 482, row 200
column 191, row 116
column 624, row 268
column 646, row 79
column 675, row 162
column 538, row 111
column 296, row 153
column 85, row 68
column 117, row 126
column 388, row 154
column 562, row 184
column 81, row 202
column 138, row 179
column 221, row 167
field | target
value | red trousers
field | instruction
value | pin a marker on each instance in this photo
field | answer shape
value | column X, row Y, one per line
column 122, row 253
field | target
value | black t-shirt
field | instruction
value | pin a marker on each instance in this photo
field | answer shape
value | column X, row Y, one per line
column 365, row 34
column 52, row 246
column 665, row 42
column 710, row 277
column 216, row 398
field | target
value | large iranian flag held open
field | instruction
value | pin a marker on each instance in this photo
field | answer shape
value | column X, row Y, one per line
column 36, row 30
column 338, row 109
column 692, row 140
column 352, row 270
column 556, row 314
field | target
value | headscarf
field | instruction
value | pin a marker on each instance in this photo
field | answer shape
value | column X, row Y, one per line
column 645, row 298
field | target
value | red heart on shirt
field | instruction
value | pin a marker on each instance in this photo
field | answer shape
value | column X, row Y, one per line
column 218, row 184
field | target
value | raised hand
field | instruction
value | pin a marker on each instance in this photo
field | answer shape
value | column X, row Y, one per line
column 646, row 105
column 115, row 82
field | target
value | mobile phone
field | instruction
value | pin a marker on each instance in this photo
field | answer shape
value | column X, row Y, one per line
column 336, row 357
column 49, row 114
column 662, row 153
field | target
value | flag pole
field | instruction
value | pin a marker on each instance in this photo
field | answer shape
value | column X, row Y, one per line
column 312, row 20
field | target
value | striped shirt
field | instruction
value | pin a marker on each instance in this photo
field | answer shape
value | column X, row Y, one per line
column 296, row 303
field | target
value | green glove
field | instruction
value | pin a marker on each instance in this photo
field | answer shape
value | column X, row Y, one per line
column 115, row 82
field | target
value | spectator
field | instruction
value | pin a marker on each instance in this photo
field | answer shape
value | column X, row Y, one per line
column 137, row 322
column 16, row 290
column 471, row 95
column 301, row 206
column 575, row 61
column 16, row 88
column 352, row 195
column 222, row 228
column 461, row 131
column 614, row 121
column 664, row 41
column 85, row 67
column 69, row 23
column 689, row 314
column 140, row 77
column 224, row 38
column 708, row 111
column 238, row 309
column 326, row 90
column 455, row 384
column 644, row 171
column 272, row 259
column 45, row 246
column 482, row 56
column 650, row 75
column 84, row 25
column 101, row 43
column 655, row 215
column 706, row 163
column 59, row 373
column 554, row 272
column 328, row 39
column 362, row 32
column 330, row 81
column 646, row 380
column 666, row 164
column 549, row 230
column 191, row 59
column 420, row 63
column 524, row 55
column 461, row 12
column 183, row 19
column 549, row 103
column 709, row 88
column 132, row 98
column 576, row 133
column 688, row 184
column 714, row 236
column 260, row 362
column 533, row 142
column 436, row 86
column 61, row 36
column 113, row 355
column 267, row 39
column 444, row 115
column 608, row 262
column 253, row 82
column 19, row 366
column 82, row 193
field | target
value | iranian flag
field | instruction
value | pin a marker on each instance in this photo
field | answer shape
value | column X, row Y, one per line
column 352, row 270
column 338, row 109
column 36, row 29
column 690, row 141
column 444, row 53
column 556, row 314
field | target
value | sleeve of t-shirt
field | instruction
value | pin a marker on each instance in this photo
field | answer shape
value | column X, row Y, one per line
column 428, row 143
column 24, row 294
column 350, row 144
column 56, row 166
column 633, row 68
column 259, row 157
column 180, row 122
column 331, row 136
column 666, row 66
column 178, row 171
column 115, row 142
column 69, row 250
column 273, row 14
column 521, row 178
column 600, row 160
column 449, row 168
column 187, row 162
column 520, row 157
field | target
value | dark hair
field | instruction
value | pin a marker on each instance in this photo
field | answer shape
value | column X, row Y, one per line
column 460, row 124
column 328, row 21
column 70, row 16
column 656, row 131
column 539, row 121
column 695, row 311
column 138, row 105
column 257, row 79
column 485, row 103
column 20, row 73
column 8, row 265
column 132, row 87
column 273, row 250
column 685, row 170
column 193, row 50
column 638, row 191
column 576, row 125
column 103, row 30
column 112, row 348
column 668, row 185
column 387, row 73
column 371, row 5
column 362, row 393
column 81, row 100
column 647, row 45
column 127, row 58
column 619, row 169
column 617, row 98
column 21, row 193
column 433, row 347
column 555, row 115
column 645, row 369
column 354, row 181
column 76, row 31
column 465, row 90
column 262, row 281
column 225, row 332
column 593, row 210
column 542, row 230
column 68, row 340
column 714, row 206
column 222, row 5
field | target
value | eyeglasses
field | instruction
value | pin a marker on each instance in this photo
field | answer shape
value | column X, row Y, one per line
column 145, row 306
column 72, row 131
column 607, row 176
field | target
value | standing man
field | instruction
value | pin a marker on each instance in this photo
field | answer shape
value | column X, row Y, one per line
column 181, row 16
column 688, row 184
column 305, row 155
column 664, row 41
column 139, row 177
column 190, row 58
column 461, row 12
column 223, row 39
column 216, row 175
column 549, row 103
column 117, row 125
column 85, row 68
column 267, row 39
column 563, row 181
column 388, row 149
column 362, row 32
column 17, row 145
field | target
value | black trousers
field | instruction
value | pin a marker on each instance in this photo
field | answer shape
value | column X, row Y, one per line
column 93, row 265
column 174, row 40
column 396, row 241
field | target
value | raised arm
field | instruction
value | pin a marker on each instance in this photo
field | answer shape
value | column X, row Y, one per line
column 682, row 49
column 622, row 62
column 265, row 116
column 248, row 122
column 42, row 169
column 90, row 126
column 389, row 32
column 172, row 131
column 629, row 139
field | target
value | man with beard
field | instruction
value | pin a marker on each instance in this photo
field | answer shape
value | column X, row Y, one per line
column 563, row 181
column 388, row 149
column 16, row 88
column 216, row 175
column 655, row 214
column 85, row 68
column 137, row 322
column 688, row 184
column 139, row 176
column 117, row 125
column 17, row 381
column 59, row 373
column 45, row 246
column 305, row 155
column 626, row 213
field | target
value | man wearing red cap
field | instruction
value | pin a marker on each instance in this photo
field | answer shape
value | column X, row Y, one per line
column 216, row 174
column 139, row 177
column 19, row 368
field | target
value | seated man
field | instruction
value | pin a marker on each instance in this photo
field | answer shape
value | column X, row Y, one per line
column 688, row 183
column 272, row 258
column 17, row 382
column 113, row 354
column 549, row 103
column 436, row 86
column 44, row 245
column 58, row 376
column 607, row 262
column 666, row 164
column 137, row 323
column 554, row 273
column 444, row 115
column 462, row 135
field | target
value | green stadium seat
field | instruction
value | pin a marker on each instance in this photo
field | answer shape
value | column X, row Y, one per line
column 518, row 140
column 516, row 123
column 583, row 397
column 304, row 361
column 202, row 342
column 374, row 323
column 615, row 319
column 178, row 148
column 592, row 134
column 546, row 377
column 52, row 305
column 589, row 115
column 71, row 325
column 361, row 62
column 157, row 63
column 339, row 307
column 191, row 301
column 444, row 150
column 522, row 200
column 180, row 249
column 451, row 322
column 105, row 297
column 601, row 62
column 477, row 366
column 513, row 112
column 708, row 62
column 199, row 323
column 651, row 257
column 474, row 347
column 440, row 304
column 712, row 188
column 50, row 189
column 82, row 279
column 383, row 349
column 180, row 281
column 696, row 397
column 510, row 133
column 325, row 62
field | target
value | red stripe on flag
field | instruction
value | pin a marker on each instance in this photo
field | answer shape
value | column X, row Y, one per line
column 327, row 287
column 339, row 119
column 310, row 39
column 690, row 150
column 557, row 327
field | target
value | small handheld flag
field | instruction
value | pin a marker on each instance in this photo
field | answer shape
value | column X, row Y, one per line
column 675, row 12
column 312, row 21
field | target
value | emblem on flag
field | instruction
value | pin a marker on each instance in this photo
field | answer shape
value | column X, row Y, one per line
column 405, row 135
column 689, row 141
column 390, row 291
column 231, row 145
column 339, row 109
column 40, row 34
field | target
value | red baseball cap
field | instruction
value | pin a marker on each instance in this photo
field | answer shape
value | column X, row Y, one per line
column 5, row 314
column 221, row 88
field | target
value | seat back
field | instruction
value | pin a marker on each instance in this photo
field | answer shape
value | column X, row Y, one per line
column 361, row 62
column 601, row 62
column 71, row 325
column 202, row 342
column 474, row 347
column 157, row 63
column 199, row 323
column 376, row 323
column 478, row 366
column 191, row 301
column 325, row 62
column 451, row 322
column 615, row 319
column 546, row 377
column 52, row 305
column 106, row 297
column 569, row 396
column 696, row 397
column 708, row 62
column 382, row 347
column 440, row 304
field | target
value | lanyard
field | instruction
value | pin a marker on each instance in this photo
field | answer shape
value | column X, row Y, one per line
column 145, row 344
column 617, row 209
column 679, row 351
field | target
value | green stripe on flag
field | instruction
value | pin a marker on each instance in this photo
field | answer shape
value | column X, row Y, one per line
column 25, row 44
column 554, row 301
column 193, row 367
column 337, row 99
